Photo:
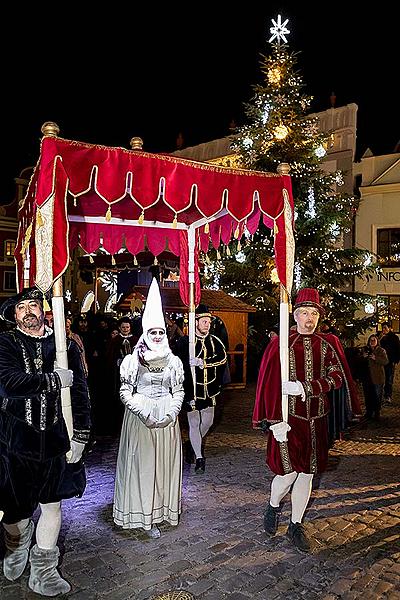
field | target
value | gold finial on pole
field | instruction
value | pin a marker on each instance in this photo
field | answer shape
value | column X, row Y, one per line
column 136, row 143
column 283, row 169
column 50, row 128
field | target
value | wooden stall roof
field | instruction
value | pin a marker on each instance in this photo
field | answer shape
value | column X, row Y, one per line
column 216, row 300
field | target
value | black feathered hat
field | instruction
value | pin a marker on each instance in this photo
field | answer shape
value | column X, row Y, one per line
column 7, row 309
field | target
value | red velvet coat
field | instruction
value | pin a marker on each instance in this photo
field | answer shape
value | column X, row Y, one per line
column 319, row 363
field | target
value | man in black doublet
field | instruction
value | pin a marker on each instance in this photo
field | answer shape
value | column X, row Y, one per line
column 34, row 440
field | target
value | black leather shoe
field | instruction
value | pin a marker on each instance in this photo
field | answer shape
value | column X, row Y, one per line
column 297, row 534
column 200, row 465
column 271, row 519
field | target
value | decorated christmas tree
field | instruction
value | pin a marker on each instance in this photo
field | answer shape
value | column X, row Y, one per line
column 279, row 130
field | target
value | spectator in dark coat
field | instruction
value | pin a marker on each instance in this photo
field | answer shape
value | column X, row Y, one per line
column 391, row 343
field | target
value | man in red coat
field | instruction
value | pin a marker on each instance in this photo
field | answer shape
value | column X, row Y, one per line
column 299, row 448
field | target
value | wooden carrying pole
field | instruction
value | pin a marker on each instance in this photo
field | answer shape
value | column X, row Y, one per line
column 61, row 350
column 284, row 345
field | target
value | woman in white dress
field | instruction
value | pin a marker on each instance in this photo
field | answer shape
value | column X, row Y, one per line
column 149, row 466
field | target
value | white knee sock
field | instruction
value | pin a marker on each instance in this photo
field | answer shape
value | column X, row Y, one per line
column 49, row 525
column 194, row 431
column 200, row 422
column 280, row 486
column 301, row 493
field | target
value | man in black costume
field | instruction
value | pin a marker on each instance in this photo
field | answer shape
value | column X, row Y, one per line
column 210, row 360
column 34, row 441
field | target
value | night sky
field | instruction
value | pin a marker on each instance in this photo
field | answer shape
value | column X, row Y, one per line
column 105, row 74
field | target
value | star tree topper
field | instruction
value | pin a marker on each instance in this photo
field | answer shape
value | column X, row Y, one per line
column 279, row 30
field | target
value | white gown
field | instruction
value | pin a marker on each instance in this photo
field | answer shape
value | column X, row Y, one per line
column 148, row 480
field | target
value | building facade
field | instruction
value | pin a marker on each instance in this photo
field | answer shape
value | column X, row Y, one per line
column 378, row 230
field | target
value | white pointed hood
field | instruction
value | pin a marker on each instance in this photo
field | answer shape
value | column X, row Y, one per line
column 153, row 317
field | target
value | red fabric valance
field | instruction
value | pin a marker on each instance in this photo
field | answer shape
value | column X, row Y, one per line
column 82, row 193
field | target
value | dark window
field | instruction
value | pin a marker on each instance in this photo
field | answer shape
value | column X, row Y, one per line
column 10, row 283
column 388, row 247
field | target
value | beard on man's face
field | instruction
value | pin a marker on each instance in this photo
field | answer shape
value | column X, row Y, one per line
column 31, row 322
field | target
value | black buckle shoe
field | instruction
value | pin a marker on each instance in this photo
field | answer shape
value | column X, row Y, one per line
column 271, row 519
column 200, row 465
column 297, row 534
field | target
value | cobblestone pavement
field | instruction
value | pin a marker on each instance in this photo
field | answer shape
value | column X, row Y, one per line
column 220, row 550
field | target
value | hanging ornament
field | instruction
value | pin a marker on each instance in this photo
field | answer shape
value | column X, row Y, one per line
column 207, row 228
column 274, row 75
column 281, row 132
column 108, row 214
column 141, row 218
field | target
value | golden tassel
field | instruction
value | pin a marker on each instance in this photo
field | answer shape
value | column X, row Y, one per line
column 175, row 222
column 239, row 246
column 113, row 260
column 228, row 252
column 75, row 201
column 208, row 261
column 46, row 306
column 27, row 239
column 108, row 214
column 155, row 261
column 91, row 259
column 275, row 228
column 207, row 228
column 237, row 232
column 141, row 218
column 39, row 218
column 218, row 255
column 135, row 262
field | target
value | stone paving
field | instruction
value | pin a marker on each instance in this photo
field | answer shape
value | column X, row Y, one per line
column 220, row 550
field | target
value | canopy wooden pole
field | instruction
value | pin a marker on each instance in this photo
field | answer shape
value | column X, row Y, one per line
column 61, row 350
column 192, row 306
column 284, row 345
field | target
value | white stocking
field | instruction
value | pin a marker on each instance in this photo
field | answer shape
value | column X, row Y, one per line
column 301, row 493
column 49, row 525
column 15, row 529
column 280, row 486
column 200, row 422
column 194, row 431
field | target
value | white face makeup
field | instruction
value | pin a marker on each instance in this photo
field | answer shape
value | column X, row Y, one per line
column 306, row 318
column 156, row 335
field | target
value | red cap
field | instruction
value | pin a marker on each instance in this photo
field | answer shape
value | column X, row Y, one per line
column 309, row 297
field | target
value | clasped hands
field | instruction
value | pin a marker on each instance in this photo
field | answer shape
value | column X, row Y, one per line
column 153, row 423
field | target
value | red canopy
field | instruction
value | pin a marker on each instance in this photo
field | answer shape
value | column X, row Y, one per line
column 87, row 194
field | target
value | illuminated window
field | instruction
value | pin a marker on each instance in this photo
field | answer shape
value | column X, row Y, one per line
column 388, row 247
column 9, row 247
column 389, row 310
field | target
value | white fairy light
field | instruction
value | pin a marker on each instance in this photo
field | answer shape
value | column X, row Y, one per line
column 311, row 203
column 265, row 114
column 68, row 295
column 279, row 30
